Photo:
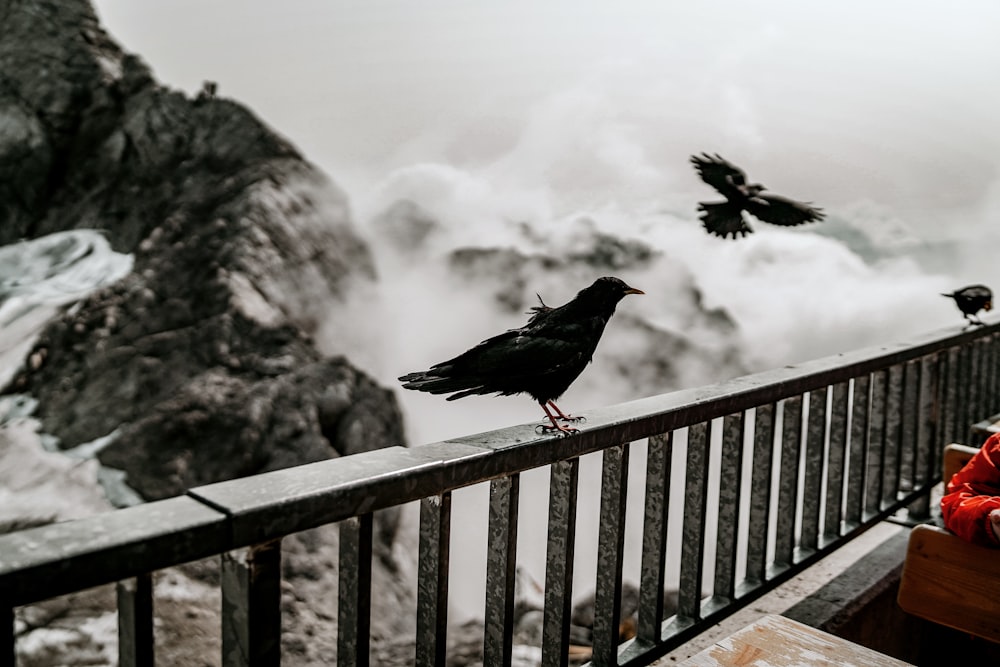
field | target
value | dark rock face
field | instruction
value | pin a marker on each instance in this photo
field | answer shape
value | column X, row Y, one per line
column 201, row 360
column 201, row 357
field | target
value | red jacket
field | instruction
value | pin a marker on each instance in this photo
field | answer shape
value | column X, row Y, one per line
column 972, row 494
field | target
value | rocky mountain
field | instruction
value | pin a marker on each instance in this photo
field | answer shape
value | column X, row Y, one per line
column 199, row 364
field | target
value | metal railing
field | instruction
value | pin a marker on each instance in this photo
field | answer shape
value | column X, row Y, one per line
column 811, row 456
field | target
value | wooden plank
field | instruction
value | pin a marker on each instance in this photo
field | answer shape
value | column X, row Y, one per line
column 776, row 641
column 952, row 582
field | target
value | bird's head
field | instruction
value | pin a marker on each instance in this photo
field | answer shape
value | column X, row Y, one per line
column 606, row 292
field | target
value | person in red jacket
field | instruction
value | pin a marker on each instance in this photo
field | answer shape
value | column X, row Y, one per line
column 971, row 504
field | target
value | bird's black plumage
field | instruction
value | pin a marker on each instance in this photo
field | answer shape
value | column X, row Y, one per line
column 540, row 359
column 725, row 218
column 970, row 300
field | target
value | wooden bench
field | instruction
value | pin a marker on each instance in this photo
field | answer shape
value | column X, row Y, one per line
column 948, row 580
column 776, row 641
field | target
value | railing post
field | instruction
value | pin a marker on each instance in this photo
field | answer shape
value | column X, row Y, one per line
column 693, row 522
column 501, row 573
column 730, row 476
column 812, row 483
column 836, row 462
column 432, row 580
column 610, row 545
column 7, row 651
column 563, row 484
column 788, row 481
column 251, row 606
column 654, row 538
column 760, row 493
column 354, row 592
column 875, row 462
column 857, row 468
column 135, row 621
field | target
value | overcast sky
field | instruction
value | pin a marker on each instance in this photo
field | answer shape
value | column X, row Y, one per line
column 894, row 102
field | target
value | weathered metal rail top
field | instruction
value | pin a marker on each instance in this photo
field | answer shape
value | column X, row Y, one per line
column 830, row 447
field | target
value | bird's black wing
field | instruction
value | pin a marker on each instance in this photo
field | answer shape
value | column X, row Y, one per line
column 509, row 363
column 723, row 219
column 782, row 211
column 719, row 173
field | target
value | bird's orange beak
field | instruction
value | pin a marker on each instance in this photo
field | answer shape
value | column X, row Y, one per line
column 632, row 290
column 988, row 306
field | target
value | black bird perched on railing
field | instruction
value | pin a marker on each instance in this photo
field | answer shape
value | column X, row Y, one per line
column 970, row 300
column 725, row 218
column 540, row 359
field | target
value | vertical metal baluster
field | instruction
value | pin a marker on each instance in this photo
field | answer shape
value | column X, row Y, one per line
column 654, row 537
column 812, row 487
column 837, row 458
column 8, row 652
column 876, row 443
column 730, row 473
column 135, row 621
column 909, row 424
column 502, row 571
column 563, row 484
column 949, row 397
column 924, row 459
column 432, row 580
column 892, row 437
column 963, row 391
column 693, row 528
column 251, row 606
column 610, row 548
column 857, row 468
column 354, row 592
column 760, row 493
column 995, row 365
column 788, row 484
column 974, row 413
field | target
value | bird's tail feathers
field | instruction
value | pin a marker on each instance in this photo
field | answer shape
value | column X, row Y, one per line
column 434, row 383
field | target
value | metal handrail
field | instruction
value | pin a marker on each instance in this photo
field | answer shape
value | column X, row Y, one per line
column 853, row 439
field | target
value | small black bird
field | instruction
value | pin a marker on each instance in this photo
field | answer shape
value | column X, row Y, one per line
column 970, row 300
column 725, row 218
column 541, row 359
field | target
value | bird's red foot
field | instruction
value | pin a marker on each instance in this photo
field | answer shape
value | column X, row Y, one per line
column 544, row 429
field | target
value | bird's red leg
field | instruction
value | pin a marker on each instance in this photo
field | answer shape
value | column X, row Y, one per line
column 562, row 415
column 555, row 425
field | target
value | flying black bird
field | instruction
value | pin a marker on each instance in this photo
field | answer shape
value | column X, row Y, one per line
column 970, row 300
column 541, row 359
column 725, row 218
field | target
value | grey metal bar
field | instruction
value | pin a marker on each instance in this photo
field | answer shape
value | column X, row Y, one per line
column 135, row 621
column 836, row 461
column 354, row 577
column 501, row 573
column 251, row 606
column 858, row 446
column 730, row 474
column 563, row 484
column 788, row 482
column 8, row 650
column 975, row 411
column 654, row 538
column 909, row 424
column 963, row 390
column 610, row 549
column 760, row 494
column 104, row 548
column 925, row 442
column 812, row 483
column 892, row 440
column 432, row 580
column 693, row 526
column 876, row 443
column 949, row 397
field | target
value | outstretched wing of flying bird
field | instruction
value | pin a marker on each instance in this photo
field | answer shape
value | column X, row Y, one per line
column 718, row 172
column 781, row 210
column 723, row 219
